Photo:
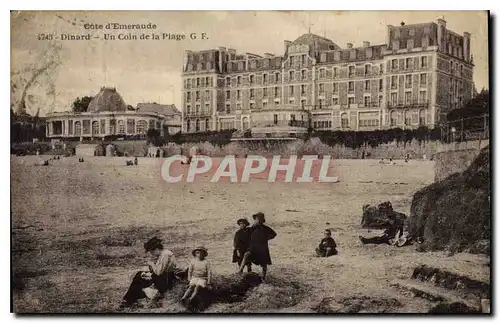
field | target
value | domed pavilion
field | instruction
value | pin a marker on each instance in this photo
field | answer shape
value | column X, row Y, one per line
column 109, row 116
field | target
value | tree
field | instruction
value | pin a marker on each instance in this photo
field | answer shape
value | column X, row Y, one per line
column 81, row 105
column 153, row 136
column 473, row 112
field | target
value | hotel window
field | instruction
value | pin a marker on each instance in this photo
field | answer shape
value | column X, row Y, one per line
column 407, row 97
column 367, row 85
column 238, row 95
column 238, row 106
column 421, row 117
column 322, row 73
column 292, row 117
column 197, row 81
column 344, row 121
column 228, row 108
column 380, row 100
column 197, row 125
column 188, row 83
column 252, row 94
column 121, row 127
column 252, row 79
column 394, row 64
column 394, row 82
column 197, row 111
column 351, row 86
column 228, row 95
column 423, row 61
column 367, row 101
column 381, row 85
column 381, row 69
column 407, row 118
column 335, row 72
column 321, row 103
column 394, row 98
column 95, row 128
column 276, row 94
column 197, row 95
column 335, row 87
column 207, row 108
column 275, row 117
column 351, row 71
column 461, row 70
column 303, row 74
column 238, row 80
column 207, row 125
column 408, row 81
column 303, row 60
column 188, row 96
column 350, row 101
column 252, row 106
column 422, row 97
column 188, row 126
column 264, row 79
column 277, row 77
column 103, row 127
column 423, row 79
column 292, row 60
column 321, row 88
column 302, row 104
column 302, row 89
column 367, row 69
column 264, row 92
column 409, row 63
column 292, row 75
column 207, row 81
column 264, row 105
column 290, row 90
column 228, row 81
column 335, row 101
column 394, row 118
column 207, row 94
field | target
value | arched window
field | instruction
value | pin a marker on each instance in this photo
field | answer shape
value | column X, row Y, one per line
column 394, row 118
column 95, row 128
column 197, row 125
column 407, row 117
column 244, row 123
column 421, row 119
column 121, row 127
column 207, row 125
column 344, row 121
column 142, row 126
column 78, row 128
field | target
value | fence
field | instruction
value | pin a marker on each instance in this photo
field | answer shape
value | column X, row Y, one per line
column 466, row 129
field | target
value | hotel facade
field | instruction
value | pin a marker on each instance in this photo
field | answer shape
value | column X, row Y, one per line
column 420, row 74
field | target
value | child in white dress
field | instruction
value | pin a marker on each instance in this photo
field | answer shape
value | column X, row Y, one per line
column 199, row 273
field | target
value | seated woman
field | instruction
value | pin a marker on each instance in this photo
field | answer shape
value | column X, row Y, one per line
column 327, row 246
column 162, row 273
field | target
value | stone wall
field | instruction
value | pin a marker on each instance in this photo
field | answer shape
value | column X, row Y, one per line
column 449, row 162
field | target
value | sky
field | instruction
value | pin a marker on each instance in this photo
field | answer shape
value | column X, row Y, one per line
column 150, row 70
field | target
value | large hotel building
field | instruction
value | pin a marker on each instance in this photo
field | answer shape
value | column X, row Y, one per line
column 422, row 72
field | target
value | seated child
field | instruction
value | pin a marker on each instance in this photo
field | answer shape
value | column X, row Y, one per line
column 327, row 246
column 199, row 273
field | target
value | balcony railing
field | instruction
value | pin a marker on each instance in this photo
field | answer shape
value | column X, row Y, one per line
column 409, row 104
column 282, row 123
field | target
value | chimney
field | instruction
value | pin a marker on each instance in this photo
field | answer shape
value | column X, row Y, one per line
column 388, row 38
column 366, row 44
column 349, row 45
column 441, row 23
column 466, row 47
column 287, row 44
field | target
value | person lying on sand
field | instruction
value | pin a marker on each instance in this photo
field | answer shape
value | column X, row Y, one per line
column 327, row 246
column 161, row 273
column 199, row 273
column 241, row 243
column 395, row 228
column 258, row 252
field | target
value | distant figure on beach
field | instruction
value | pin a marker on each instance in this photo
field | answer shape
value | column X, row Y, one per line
column 363, row 154
column 382, row 161
column 162, row 272
column 327, row 246
column 258, row 252
column 241, row 243
column 136, row 161
column 199, row 273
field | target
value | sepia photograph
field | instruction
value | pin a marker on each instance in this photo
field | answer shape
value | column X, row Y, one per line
column 250, row 162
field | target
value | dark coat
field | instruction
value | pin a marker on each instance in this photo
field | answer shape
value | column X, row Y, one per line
column 259, row 248
column 241, row 244
column 327, row 243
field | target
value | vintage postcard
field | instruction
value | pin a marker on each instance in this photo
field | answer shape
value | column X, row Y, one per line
column 250, row 162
